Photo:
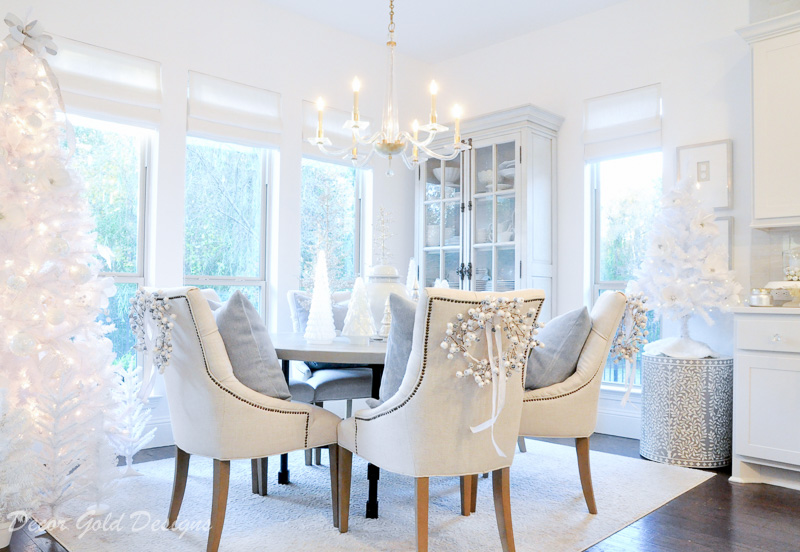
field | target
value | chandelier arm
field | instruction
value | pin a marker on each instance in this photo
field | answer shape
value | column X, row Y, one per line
column 442, row 157
column 335, row 153
column 372, row 139
column 420, row 143
column 358, row 164
column 407, row 162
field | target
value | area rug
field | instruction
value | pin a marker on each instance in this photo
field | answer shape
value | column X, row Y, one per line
column 547, row 506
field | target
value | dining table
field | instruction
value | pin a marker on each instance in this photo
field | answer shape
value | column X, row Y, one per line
column 292, row 346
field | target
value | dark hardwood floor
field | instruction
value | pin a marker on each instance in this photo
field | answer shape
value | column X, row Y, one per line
column 715, row 516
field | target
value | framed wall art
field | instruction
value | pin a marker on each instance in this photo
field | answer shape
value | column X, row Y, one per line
column 711, row 167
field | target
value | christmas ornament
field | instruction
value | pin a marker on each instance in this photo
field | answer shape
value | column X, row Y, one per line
column 358, row 326
column 386, row 321
column 320, row 328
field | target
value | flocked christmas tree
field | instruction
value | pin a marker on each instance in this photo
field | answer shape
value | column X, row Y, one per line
column 411, row 277
column 386, row 321
column 686, row 270
column 320, row 328
column 17, row 461
column 382, row 231
column 53, row 350
column 358, row 326
column 132, row 415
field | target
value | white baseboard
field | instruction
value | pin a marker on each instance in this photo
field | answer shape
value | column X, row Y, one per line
column 615, row 419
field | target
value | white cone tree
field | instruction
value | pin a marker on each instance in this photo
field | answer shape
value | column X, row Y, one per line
column 132, row 416
column 17, row 461
column 320, row 328
column 53, row 350
column 686, row 270
column 358, row 325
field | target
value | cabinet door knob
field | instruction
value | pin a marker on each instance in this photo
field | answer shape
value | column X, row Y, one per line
column 777, row 338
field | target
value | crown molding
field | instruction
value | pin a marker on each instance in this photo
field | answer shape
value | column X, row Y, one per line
column 770, row 28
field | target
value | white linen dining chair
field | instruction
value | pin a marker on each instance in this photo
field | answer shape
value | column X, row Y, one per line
column 214, row 415
column 424, row 429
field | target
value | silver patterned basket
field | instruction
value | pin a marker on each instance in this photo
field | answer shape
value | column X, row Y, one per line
column 687, row 407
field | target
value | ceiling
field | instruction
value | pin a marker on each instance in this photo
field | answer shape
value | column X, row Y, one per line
column 434, row 31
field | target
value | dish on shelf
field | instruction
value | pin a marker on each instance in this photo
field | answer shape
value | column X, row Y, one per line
column 485, row 177
column 450, row 174
column 506, row 173
column 507, row 165
column 505, row 185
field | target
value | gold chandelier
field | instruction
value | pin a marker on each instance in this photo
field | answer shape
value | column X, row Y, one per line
column 390, row 141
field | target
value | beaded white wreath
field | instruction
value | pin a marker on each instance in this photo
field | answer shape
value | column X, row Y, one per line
column 152, row 304
column 631, row 335
column 518, row 327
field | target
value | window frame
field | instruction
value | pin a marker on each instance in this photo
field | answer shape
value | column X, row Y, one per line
column 269, row 155
column 359, row 185
column 593, row 176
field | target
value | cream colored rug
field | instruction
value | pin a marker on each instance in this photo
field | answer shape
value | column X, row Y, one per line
column 547, row 505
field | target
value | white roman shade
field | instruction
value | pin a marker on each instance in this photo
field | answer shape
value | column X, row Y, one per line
column 333, row 121
column 100, row 82
column 220, row 108
column 623, row 123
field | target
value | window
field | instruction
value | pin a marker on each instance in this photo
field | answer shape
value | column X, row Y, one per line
column 112, row 161
column 627, row 196
column 226, row 200
column 330, row 220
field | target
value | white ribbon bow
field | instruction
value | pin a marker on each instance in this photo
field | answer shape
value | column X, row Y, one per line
column 499, row 378
column 31, row 36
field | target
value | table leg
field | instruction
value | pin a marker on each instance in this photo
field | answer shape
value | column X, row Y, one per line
column 283, row 474
column 373, row 475
column 259, row 469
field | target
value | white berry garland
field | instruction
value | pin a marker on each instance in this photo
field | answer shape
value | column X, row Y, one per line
column 154, row 305
column 507, row 315
column 792, row 273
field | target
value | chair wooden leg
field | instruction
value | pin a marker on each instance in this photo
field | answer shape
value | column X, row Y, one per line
column 423, row 498
column 219, row 503
column 582, row 448
column 309, row 456
column 466, row 495
column 178, row 485
column 521, row 444
column 502, row 508
column 474, row 493
column 334, row 461
column 349, row 408
column 318, row 456
column 259, row 469
column 345, row 461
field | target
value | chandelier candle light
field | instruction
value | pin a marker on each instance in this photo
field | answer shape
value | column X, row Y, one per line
column 390, row 141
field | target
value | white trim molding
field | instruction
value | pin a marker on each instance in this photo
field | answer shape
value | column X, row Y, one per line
column 615, row 419
column 770, row 28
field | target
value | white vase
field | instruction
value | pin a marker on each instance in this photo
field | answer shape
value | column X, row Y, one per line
column 383, row 280
column 5, row 533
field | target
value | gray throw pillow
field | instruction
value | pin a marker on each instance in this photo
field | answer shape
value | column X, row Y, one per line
column 249, row 347
column 563, row 338
column 398, row 346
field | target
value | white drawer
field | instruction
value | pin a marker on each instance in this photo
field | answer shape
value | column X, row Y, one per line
column 768, row 333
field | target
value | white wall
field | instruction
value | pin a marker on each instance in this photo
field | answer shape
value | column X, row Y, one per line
column 689, row 47
column 250, row 42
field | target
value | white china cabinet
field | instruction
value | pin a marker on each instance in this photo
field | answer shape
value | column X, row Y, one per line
column 486, row 220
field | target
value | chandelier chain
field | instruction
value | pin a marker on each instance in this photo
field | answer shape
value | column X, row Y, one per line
column 391, row 16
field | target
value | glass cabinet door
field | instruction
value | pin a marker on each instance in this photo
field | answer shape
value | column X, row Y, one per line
column 493, row 216
column 443, row 222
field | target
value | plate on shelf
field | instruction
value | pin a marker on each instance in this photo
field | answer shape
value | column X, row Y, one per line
column 505, row 173
column 505, row 185
column 507, row 165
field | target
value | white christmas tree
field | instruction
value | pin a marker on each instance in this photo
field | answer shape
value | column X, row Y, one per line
column 132, row 416
column 358, row 326
column 320, row 328
column 382, row 231
column 53, row 352
column 686, row 270
column 386, row 321
column 411, row 277
column 17, row 461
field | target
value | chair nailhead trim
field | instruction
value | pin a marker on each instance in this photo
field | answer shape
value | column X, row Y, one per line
column 228, row 391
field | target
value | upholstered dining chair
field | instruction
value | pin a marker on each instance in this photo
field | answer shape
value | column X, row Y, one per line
column 214, row 415
column 423, row 430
